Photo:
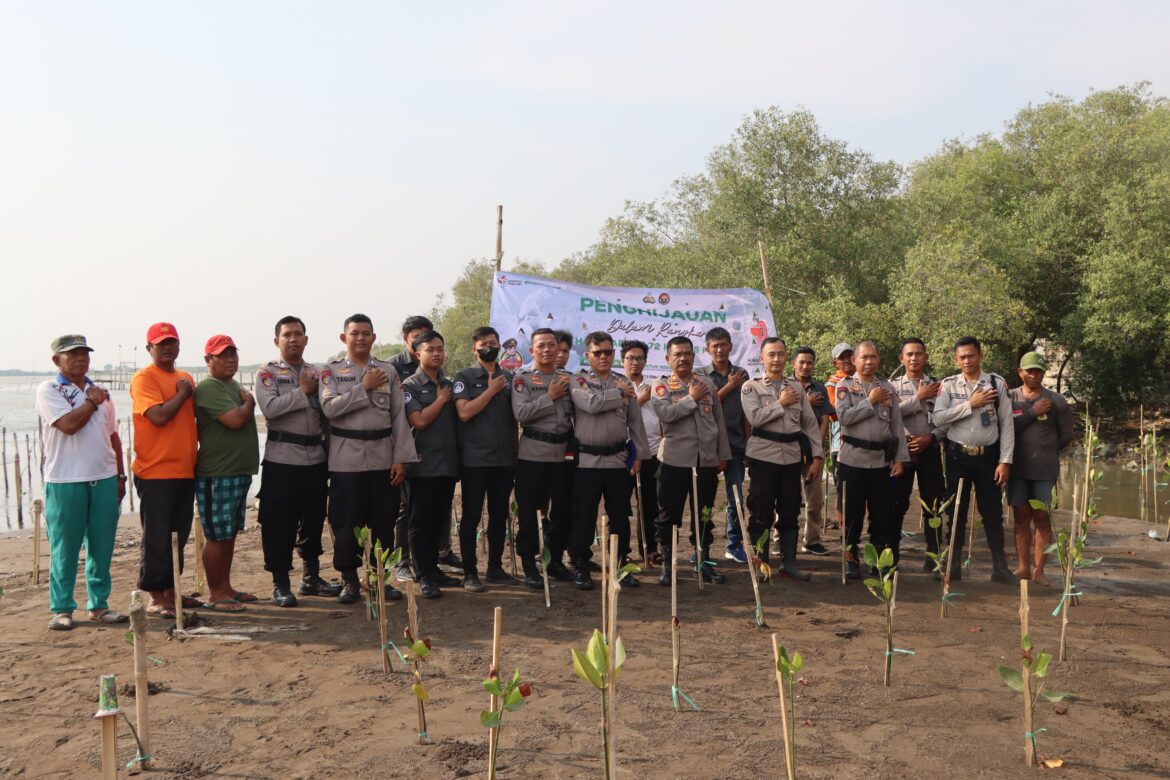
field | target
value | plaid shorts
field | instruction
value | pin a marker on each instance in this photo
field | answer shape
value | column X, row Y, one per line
column 222, row 502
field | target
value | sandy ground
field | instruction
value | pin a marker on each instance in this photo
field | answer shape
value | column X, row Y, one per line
column 312, row 701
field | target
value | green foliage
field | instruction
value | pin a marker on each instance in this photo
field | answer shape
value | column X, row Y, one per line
column 511, row 698
column 1034, row 667
column 592, row 666
column 789, row 666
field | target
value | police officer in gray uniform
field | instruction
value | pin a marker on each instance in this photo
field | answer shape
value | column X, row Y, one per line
column 976, row 410
column 784, row 427
column 294, row 484
column 369, row 445
column 487, row 454
column 873, row 449
column 608, row 418
column 544, row 468
column 430, row 408
column 693, row 436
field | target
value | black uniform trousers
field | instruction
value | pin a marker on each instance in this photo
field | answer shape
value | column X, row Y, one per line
column 589, row 486
column 494, row 483
column 674, row 488
column 868, row 491
column 931, row 489
column 164, row 506
column 977, row 471
column 774, row 490
column 430, row 509
column 292, row 513
column 649, row 499
column 360, row 499
column 538, row 482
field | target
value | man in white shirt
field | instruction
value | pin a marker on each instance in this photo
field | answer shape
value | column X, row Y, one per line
column 85, row 482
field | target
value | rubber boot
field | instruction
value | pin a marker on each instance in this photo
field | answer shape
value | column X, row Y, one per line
column 351, row 589
column 532, row 576
column 282, row 595
column 311, row 582
column 788, row 540
column 667, row 563
column 852, row 568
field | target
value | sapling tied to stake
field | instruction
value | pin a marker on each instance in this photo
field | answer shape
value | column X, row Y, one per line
column 1029, row 680
column 594, row 667
column 384, row 563
column 885, row 589
column 418, row 650
column 510, row 698
column 934, row 515
column 786, row 669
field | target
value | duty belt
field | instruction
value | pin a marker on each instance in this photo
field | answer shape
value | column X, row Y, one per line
column 346, row 433
column 602, row 449
column 864, row 444
column 780, row 437
column 549, row 438
column 971, row 450
column 294, row 438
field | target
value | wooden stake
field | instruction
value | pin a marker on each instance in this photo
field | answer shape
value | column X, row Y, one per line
column 177, row 586
column 611, row 585
column 141, row 684
column 412, row 619
column 512, row 537
column 366, row 552
column 499, row 237
column 946, row 573
column 4, row 457
column 675, row 638
column 764, row 268
column 28, row 462
column 697, row 524
column 751, row 549
column 890, row 632
column 1067, row 604
column 108, row 713
column 1029, row 740
column 17, row 482
column 37, row 508
column 603, row 543
column 789, row 752
column 641, row 519
column 200, row 576
column 543, row 564
column 383, row 617
column 1142, row 461
column 493, row 700
column 844, row 547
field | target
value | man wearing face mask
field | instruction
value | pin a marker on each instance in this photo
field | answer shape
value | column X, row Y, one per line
column 487, row 455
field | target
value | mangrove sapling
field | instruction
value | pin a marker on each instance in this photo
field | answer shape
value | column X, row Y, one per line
column 1029, row 680
column 418, row 650
column 364, row 538
column 947, row 595
column 1069, row 548
column 933, row 522
column 384, row 563
column 786, row 669
column 884, row 588
column 676, row 693
column 597, row 668
column 510, row 698
column 545, row 558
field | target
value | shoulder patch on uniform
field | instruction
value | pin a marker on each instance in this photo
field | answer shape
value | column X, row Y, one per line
column 747, row 389
column 265, row 378
column 459, row 387
column 518, row 384
column 406, row 398
column 660, row 391
column 582, row 381
column 326, row 375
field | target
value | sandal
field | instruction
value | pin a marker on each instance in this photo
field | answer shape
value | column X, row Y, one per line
column 108, row 616
column 244, row 598
column 190, row 602
column 227, row 605
column 162, row 612
column 62, row 621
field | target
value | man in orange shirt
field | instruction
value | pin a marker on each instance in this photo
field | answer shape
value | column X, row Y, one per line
column 165, row 443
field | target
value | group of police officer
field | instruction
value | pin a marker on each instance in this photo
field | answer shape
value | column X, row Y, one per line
column 382, row 444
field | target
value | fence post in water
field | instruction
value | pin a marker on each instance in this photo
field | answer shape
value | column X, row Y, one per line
column 16, row 481
column 37, row 508
column 4, row 447
column 28, row 465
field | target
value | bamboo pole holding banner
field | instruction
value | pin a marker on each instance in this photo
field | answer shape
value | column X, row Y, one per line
column 764, row 268
column 38, row 507
column 141, row 683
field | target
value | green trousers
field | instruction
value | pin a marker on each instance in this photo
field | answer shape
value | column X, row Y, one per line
column 77, row 512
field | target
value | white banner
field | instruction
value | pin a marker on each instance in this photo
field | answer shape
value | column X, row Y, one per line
column 521, row 304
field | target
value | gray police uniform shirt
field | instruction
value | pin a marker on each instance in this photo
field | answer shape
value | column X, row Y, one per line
column 762, row 408
column 1039, row 442
column 916, row 414
column 437, row 444
column 693, row 433
column 980, row 427
column 287, row 409
column 605, row 417
column 732, row 408
column 533, row 408
column 862, row 420
column 489, row 438
column 347, row 404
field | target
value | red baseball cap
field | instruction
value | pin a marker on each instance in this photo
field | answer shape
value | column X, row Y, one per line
column 217, row 344
column 161, row 331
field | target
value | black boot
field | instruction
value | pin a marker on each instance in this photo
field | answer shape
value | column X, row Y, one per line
column 282, row 591
column 311, row 582
column 532, row 577
column 788, row 539
column 999, row 569
column 351, row 590
column 955, row 572
column 710, row 574
column 667, row 564
column 582, row 579
column 852, row 567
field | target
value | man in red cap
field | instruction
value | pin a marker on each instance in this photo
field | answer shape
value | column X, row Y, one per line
column 229, row 456
column 165, row 441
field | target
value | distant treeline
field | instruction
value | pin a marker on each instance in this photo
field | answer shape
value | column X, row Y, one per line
column 1054, row 234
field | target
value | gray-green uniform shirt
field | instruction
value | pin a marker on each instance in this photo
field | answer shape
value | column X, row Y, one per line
column 980, row 427
column 535, row 410
column 862, row 420
column 761, row 407
column 916, row 414
column 437, row 444
column 287, row 409
column 489, row 438
column 605, row 417
column 693, row 433
column 348, row 406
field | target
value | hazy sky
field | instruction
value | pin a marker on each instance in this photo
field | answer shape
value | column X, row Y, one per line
column 222, row 164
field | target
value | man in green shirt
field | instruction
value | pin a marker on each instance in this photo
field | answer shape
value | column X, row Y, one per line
column 229, row 455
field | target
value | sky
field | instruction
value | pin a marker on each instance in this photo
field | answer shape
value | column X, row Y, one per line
column 219, row 165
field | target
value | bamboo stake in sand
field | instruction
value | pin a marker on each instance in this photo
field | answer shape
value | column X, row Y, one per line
column 141, row 683
column 200, row 576
column 108, row 713
column 697, row 524
column 611, row 636
column 38, row 508
column 1029, row 739
column 675, row 638
column 946, row 573
column 603, row 543
column 641, row 520
column 412, row 618
column 543, row 562
column 176, row 570
column 844, row 548
column 743, row 529
column 789, row 753
column 493, row 700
